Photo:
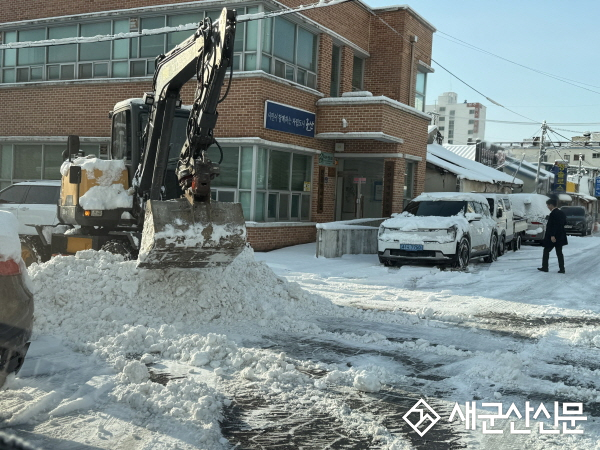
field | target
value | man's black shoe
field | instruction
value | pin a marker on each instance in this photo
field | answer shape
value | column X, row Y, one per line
column 542, row 269
column 561, row 271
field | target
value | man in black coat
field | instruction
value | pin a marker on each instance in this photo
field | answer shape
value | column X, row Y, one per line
column 555, row 236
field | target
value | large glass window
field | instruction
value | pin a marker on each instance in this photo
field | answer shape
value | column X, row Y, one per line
column 289, row 51
column 93, row 51
column 53, row 159
column 276, row 45
column 336, row 59
column 420, row 89
column 268, row 183
column 62, row 53
column 28, row 162
column 357, row 73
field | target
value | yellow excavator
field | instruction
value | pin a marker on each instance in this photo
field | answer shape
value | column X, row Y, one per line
column 152, row 199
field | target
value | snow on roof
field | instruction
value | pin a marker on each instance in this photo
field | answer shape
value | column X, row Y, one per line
column 39, row 183
column 456, row 196
column 527, row 168
column 466, row 168
column 466, row 151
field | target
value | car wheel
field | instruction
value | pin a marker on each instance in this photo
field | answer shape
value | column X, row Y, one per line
column 463, row 254
column 502, row 245
column 493, row 256
column 32, row 250
column 516, row 243
column 118, row 247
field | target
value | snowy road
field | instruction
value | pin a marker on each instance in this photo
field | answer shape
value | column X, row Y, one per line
column 332, row 354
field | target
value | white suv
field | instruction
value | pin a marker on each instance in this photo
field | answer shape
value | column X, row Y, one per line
column 441, row 227
column 33, row 203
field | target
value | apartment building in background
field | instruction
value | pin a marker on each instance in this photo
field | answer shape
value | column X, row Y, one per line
column 341, row 68
column 459, row 123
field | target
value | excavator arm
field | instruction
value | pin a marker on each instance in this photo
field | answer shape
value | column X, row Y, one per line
column 206, row 56
column 192, row 231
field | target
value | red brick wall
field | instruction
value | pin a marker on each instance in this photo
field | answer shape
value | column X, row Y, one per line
column 388, row 70
column 324, row 64
column 267, row 238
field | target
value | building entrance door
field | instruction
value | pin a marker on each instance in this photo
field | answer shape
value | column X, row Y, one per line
column 360, row 188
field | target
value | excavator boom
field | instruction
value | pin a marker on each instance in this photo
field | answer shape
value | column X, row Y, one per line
column 190, row 232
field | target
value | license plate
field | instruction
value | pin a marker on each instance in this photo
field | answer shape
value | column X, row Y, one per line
column 568, row 226
column 96, row 213
column 411, row 247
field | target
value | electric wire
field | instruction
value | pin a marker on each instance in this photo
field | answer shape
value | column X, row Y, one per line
column 556, row 77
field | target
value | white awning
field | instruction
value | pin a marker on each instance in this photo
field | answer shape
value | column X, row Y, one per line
column 565, row 198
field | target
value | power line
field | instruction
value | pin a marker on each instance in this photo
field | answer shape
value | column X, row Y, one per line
column 162, row 30
column 556, row 77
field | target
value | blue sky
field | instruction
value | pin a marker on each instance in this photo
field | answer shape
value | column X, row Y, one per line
column 556, row 37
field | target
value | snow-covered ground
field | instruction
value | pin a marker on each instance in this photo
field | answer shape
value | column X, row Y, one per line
column 284, row 350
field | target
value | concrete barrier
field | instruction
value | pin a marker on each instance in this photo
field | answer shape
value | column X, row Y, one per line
column 349, row 237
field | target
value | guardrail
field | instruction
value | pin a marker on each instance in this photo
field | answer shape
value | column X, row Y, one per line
column 348, row 237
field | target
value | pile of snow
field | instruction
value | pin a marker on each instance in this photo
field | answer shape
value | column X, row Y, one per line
column 10, row 246
column 108, row 193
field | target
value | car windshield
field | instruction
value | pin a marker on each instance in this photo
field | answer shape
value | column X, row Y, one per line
column 444, row 208
column 573, row 211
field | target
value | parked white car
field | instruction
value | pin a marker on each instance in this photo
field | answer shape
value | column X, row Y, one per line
column 32, row 203
column 444, row 227
column 511, row 227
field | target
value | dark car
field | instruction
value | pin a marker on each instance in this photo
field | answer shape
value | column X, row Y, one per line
column 578, row 220
column 16, row 300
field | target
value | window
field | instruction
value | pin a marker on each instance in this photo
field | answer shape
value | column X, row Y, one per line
column 358, row 68
column 442, row 119
column 442, row 108
column 336, row 58
column 471, row 122
column 470, row 132
column 567, row 158
column 450, row 134
column 471, row 111
column 452, row 112
column 595, row 155
column 421, row 86
column 121, row 133
column 268, row 183
column 441, row 128
column 14, row 194
column 577, row 157
column 289, row 51
column 122, row 58
column 47, row 195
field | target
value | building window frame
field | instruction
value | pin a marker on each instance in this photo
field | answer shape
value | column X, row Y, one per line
column 255, row 193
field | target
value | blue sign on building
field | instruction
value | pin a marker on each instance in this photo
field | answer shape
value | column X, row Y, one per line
column 288, row 119
column 560, row 177
column 597, row 187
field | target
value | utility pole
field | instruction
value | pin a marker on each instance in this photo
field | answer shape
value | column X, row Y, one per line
column 579, row 173
column 540, row 157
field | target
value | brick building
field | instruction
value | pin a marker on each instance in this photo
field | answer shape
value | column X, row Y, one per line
column 342, row 68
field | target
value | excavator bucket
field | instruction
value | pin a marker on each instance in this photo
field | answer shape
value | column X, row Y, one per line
column 179, row 234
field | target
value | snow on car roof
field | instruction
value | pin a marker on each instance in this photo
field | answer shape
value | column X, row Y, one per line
column 10, row 246
column 39, row 182
column 466, row 168
column 452, row 196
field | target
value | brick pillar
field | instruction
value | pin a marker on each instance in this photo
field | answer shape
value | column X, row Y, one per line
column 324, row 64
column 419, row 186
column 393, row 186
column 346, row 69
